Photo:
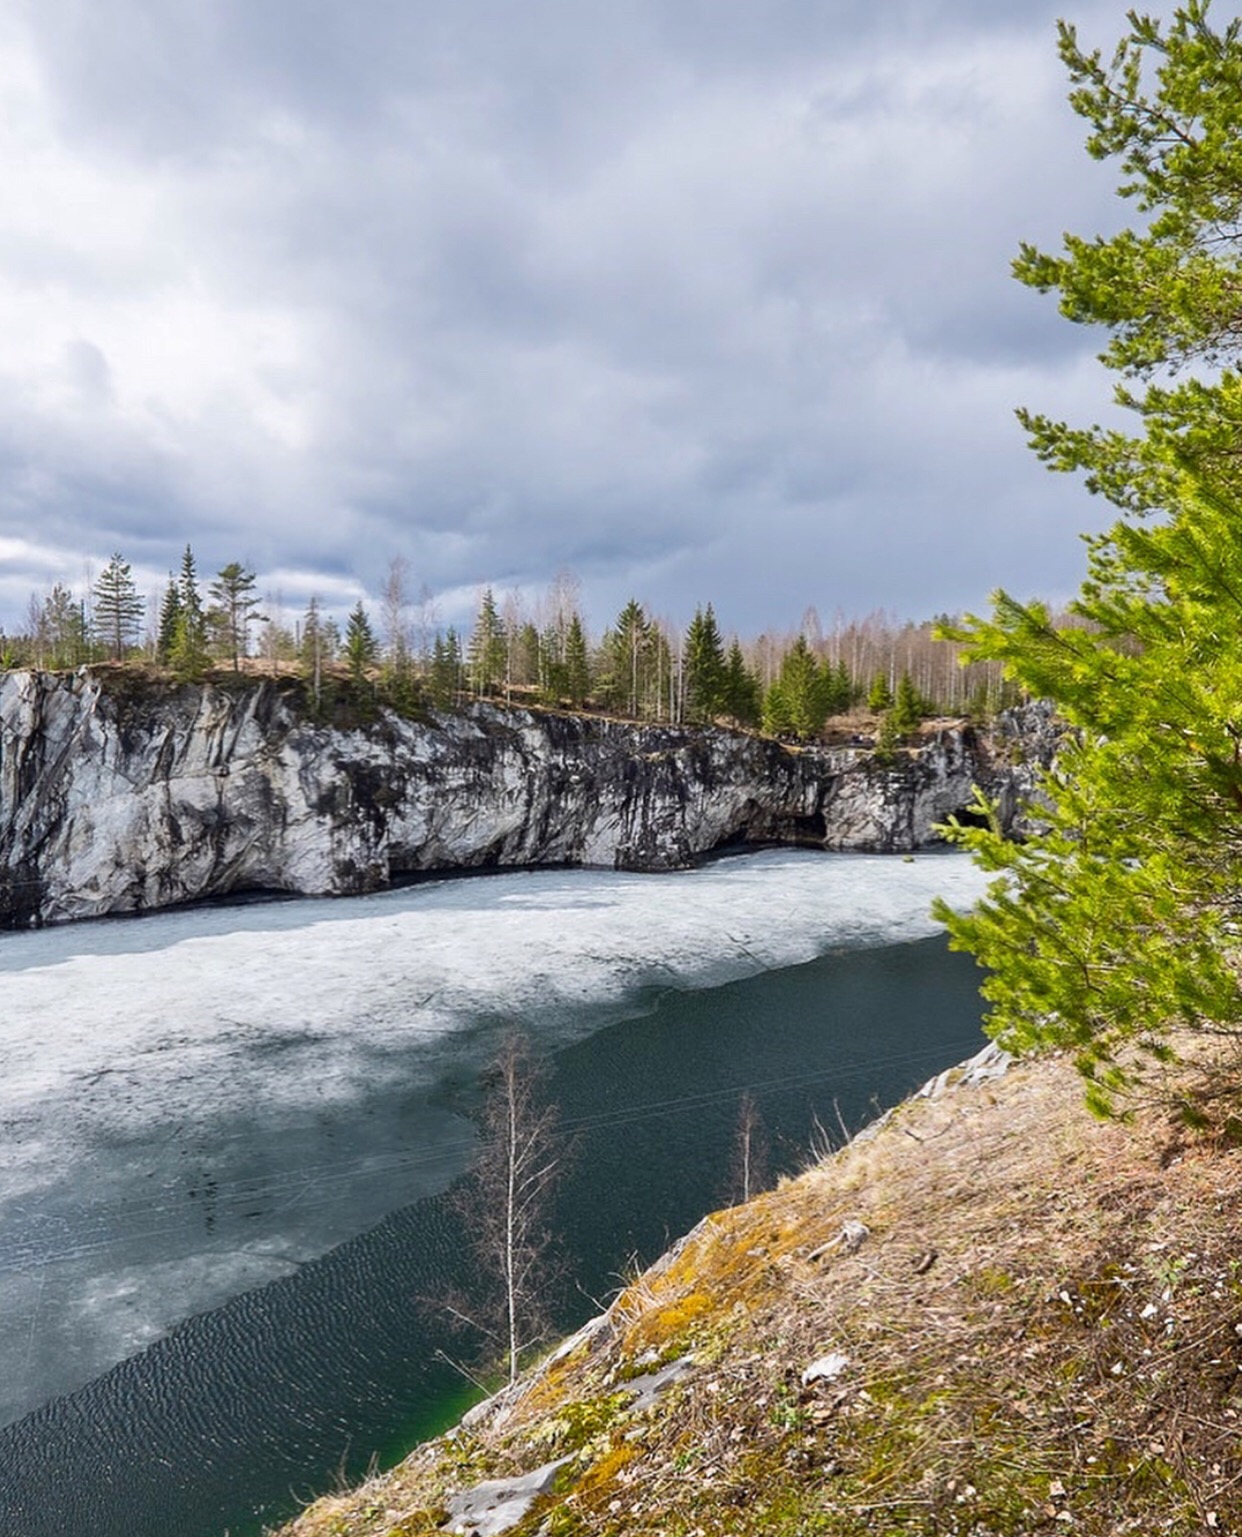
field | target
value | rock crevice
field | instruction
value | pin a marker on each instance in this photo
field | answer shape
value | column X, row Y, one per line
column 116, row 801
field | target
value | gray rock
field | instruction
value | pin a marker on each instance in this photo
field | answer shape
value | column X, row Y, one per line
column 497, row 1504
column 125, row 796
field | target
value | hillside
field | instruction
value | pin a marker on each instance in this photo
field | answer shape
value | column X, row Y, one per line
column 1036, row 1328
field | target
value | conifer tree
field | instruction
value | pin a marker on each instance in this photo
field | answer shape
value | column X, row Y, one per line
column 838, row 689
column 624, row 661
column 577, row 663
column 446, row 668
column 170, row 615
column 741, row 688
column 526, row 659
column 235, row 600
column 314, row 649
column 1118, row 922
column 705, row 666
column 795, row 703
column 879, row 695
column 188, row 653
column 488, row 653
column 64, row 624
column 361, row 647
column 119, row 610
column 907, row 708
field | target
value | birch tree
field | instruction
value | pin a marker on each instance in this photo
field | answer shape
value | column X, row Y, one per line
column 506, row 1200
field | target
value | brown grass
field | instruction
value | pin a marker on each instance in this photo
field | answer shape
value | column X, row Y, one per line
column 1044, row 1333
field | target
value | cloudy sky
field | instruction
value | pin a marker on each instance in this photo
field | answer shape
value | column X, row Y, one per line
column 693, row 300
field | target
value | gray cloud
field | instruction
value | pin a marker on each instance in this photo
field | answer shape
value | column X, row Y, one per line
column 699, row 301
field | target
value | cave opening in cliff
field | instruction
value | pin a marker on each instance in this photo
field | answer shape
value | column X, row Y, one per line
column 967, row 816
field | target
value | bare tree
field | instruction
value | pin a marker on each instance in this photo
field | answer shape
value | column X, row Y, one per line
column 505, row 1203
column 395, row 613
column 750, row 1150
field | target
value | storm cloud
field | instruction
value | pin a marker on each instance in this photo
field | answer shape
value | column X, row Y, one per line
column 694, row 301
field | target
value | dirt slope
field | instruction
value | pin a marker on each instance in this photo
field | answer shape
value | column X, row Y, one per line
column 1039, row 1331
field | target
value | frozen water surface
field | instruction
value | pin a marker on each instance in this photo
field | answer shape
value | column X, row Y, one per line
column 193, row 1103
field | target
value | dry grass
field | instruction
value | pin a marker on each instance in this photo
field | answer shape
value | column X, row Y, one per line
column 1043, row 1333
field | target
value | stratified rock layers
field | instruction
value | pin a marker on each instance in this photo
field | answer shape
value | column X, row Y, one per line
column 116, row 797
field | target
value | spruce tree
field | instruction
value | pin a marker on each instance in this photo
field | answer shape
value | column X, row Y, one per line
column 488, row 654
column 170, row 615
column 119, row 610
column 705, row 666
column 907, row 708
column 879, row 695
column 625, row 661
column 741, row 688
column 795, row 703
column 188, row 654
column 361, row 646
column 577, row 663
column 314, row 651
column 446, row 668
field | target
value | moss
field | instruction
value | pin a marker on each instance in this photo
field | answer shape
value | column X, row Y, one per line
column 663, row 1328
column 575, row 1424
column 978, row 1401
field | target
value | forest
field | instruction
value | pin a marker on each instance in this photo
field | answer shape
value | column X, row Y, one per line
column 791, row 683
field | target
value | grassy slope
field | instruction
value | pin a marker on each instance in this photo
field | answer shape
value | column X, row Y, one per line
column 1069, row 1361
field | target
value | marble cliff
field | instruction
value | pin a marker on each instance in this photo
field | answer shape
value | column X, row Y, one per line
column 119, row 794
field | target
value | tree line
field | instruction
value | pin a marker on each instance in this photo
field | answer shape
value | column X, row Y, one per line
column 641, row 667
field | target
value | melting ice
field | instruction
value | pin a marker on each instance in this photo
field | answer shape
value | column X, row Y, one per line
column 192, row 1103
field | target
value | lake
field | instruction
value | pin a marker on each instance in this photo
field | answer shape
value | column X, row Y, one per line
column 227, row 1133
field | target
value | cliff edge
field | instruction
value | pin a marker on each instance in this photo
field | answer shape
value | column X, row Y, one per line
column 121, row 793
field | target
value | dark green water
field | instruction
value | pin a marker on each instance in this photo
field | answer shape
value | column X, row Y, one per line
column 239, row 1414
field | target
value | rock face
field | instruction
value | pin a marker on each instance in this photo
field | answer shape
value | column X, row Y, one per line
column 121, row 795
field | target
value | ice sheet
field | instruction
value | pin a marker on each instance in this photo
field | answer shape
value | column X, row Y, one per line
column 194, row 1101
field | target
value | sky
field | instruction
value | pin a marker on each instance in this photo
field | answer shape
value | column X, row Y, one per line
column 694, row 302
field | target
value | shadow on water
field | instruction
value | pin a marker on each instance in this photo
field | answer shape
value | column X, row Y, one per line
column 238, row 1415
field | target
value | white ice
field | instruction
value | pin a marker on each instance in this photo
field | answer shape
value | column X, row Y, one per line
column 124, row 1040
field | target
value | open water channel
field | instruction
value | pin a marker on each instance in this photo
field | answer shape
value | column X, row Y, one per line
column 225, row 1135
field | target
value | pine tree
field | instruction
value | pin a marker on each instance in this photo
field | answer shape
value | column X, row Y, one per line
column 119, row 611
column 235, row 600
column 1117, row 923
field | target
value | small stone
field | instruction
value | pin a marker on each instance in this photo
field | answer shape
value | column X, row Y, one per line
column 826, row 1369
